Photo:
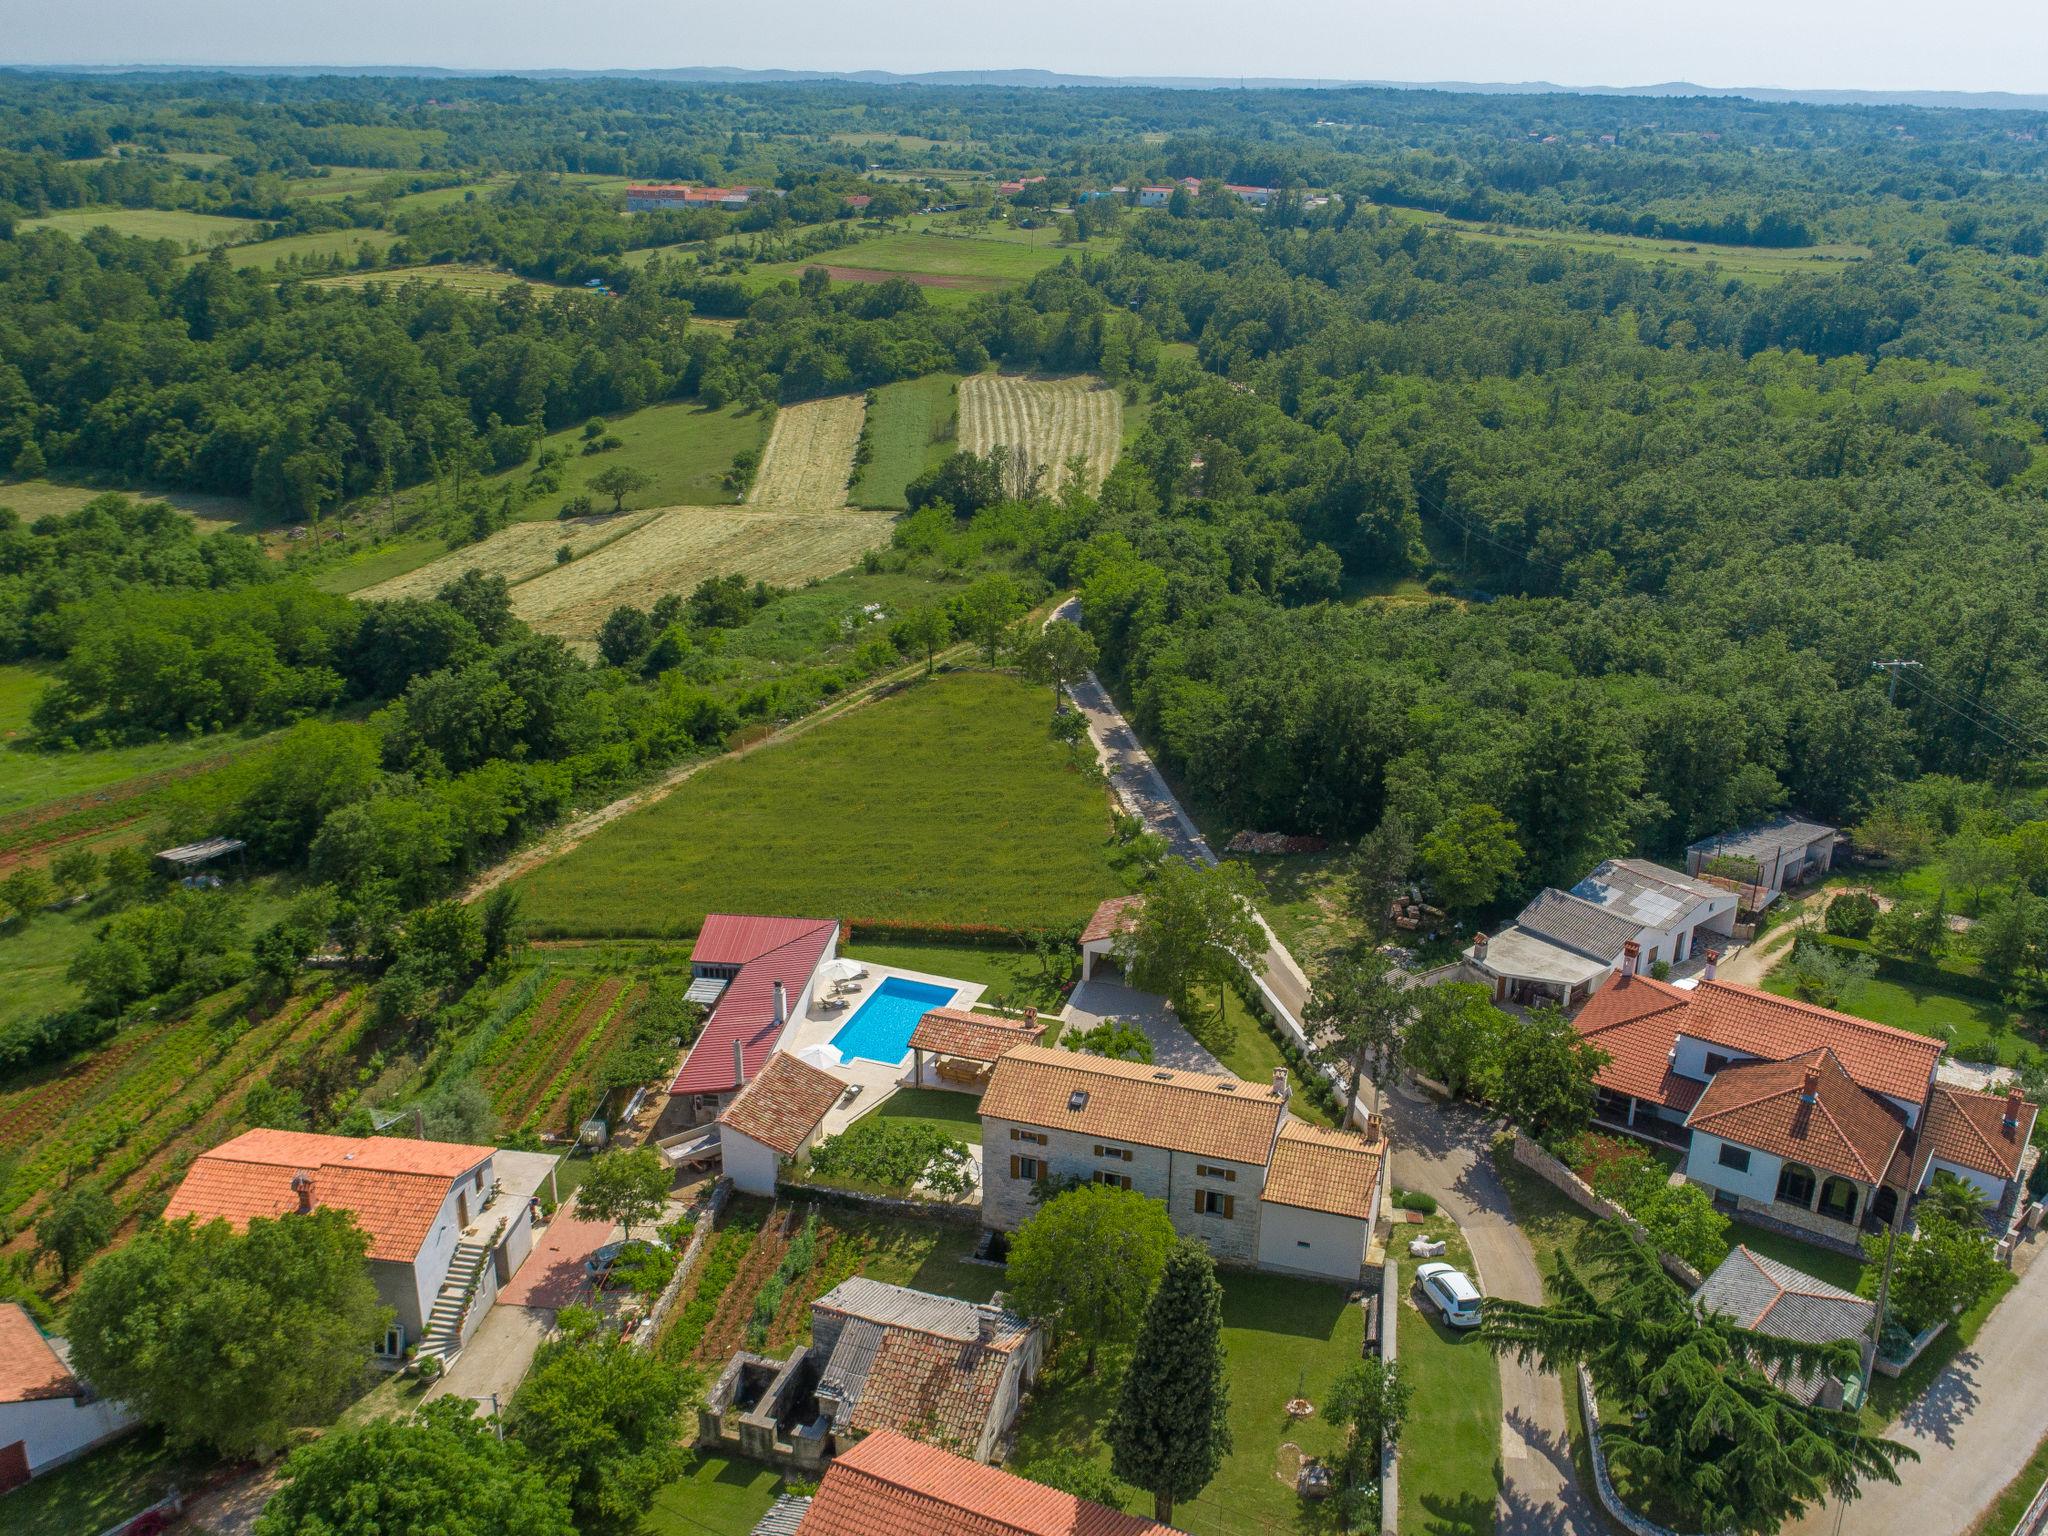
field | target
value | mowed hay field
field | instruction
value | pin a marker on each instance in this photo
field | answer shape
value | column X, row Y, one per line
column 672, row 551
column 518, row 553
column 45, row 498
column 947, row 803
column 1051, row 419
column 910, row 429
column 949, row 267
column 149, row 224
column 462, row 277
column 809, row 457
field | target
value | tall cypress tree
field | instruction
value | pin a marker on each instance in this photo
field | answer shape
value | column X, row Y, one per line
column 1171, row 1428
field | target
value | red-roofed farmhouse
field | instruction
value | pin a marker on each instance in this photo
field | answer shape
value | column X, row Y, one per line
column 763, row 972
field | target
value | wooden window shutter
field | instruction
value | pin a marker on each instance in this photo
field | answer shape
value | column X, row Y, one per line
column 1198, row 1202
column 1229, row 1207
column 1014, row 1160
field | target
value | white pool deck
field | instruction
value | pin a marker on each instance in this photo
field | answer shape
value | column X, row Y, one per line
column 877, row 1079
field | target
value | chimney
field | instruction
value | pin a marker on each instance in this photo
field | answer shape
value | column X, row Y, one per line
column 739, row 1061
column 302, row 1186
column 1713, row 965
column 2012, row 1109
column 781, row 1006
column 1629, row 951
column 1030, row 1016
column 1809, row 1091
column 1478, row 946
column 1375, row 1129
column 1280, row 1088
column 988, row 1320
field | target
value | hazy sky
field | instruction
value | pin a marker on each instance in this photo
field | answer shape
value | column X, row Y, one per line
column 1882, row 44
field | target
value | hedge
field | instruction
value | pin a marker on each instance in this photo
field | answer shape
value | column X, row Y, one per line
column 1920, row 973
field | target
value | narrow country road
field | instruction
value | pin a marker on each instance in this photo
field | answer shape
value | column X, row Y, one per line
column 1445, row 1152
column 1975, row 1427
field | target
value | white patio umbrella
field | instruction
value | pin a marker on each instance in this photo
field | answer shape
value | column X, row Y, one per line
column 820, row 1055
column 840, row 969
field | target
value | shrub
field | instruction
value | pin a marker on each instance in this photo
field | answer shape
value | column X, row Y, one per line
column 1851, row 915
column 1414, row 1200
column 896, row 1155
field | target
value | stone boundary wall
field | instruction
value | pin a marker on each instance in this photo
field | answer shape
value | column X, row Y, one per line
column 643, row 1336
column 2035, row 1520
column 1589, row 1405
column 1580, row 1193
column 966, row 1215
column 1390, row 1456
column 168, row 1507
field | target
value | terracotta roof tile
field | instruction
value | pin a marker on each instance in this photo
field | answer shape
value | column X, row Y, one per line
column 1968, row 1129
column 1112, row 918
column 890, row 1485
column 1762, row 1104
column 939, row 1390
column 394, row 1187
column 1316, row 1169
column 31, row 1370
column 766, row 950
column 972, row 1036
column 784, row 1104
column 1219, row 1117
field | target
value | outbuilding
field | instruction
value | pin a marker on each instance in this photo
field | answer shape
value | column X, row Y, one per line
column 774, row 1119
column 47, row 1415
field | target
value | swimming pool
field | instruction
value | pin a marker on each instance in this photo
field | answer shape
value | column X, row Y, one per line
column 880, row 1028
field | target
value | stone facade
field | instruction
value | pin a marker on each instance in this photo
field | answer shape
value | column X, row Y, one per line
column 1804, row 1223
column 1177, row 1179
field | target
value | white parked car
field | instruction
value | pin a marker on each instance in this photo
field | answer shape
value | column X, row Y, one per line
column 1453, row 1293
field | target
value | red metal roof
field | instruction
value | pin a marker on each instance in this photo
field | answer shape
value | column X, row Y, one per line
column 889, row 1485
column 766, row 950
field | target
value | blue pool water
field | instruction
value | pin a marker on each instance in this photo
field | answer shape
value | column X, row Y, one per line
column 880, row 1027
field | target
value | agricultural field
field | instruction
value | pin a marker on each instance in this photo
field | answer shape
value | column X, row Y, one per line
column 1755, row 262
column 946, row 265
column 540, row 1065
column 461, row 277
column 46, row 498
column 1051, row 419
column 136, row 1110
column 187, row 228
column 326, row 243
column 911, row 428
column 809, row 457
column 518, row 553
column 945, row 804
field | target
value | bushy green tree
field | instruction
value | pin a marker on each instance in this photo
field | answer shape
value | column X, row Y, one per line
column 1851, row 914
column 1546, row 1077
column 1357, row 1020
column 1194, row 929
column 1943, row 1267
column 602, row 1420
column 77, row 1224
column 1471, row 856
column 628, row 1187
column 1171, row 1428
column 1114, row 1038
column 1457, row 1036
column 1087, row 1261
column 1821, row 973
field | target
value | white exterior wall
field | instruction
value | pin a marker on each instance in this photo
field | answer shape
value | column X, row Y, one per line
column 1093, row 950
column 1677, row 943
column 437, row 1251
column 1990, row 1184
column 1312, row 1242
column 54, row 1430
column 750, row 1164
column 1759, row 1184
column 1691, row 1060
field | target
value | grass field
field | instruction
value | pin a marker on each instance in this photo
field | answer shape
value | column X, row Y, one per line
column 1765, row 263
column 45, row 498
column 912, row 426
column 947, row 266
column 1283, row 1338
column 462, row 277
column 683, row 449
column 946, row 804
column 327, row 242
column 518, row 553
column 951, row 1114
column 202, row 229
column 674, row 550
column 1053, row 420
column 1450, row 1447
column 808, row 459
column 1014, row 978
column 1975, row 1028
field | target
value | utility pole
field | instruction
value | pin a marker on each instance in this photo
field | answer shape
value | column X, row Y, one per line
column 1884, row 1290
column 1893, row 668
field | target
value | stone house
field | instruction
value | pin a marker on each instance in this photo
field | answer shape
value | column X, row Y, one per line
column 1765, row 1296
column 1235, row 1170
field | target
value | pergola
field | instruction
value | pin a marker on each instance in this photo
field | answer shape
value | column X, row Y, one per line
column 954, row 1035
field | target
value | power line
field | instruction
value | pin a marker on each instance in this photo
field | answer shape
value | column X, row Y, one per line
column 1991, row 721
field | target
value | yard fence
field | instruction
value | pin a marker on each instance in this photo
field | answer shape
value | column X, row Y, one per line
column 1580, row 1193
column 965, row 1212
column 2035, row 1520
column 1589, row 1405
column 650, row 1326
column 1390, row 1454
column 159, row 1516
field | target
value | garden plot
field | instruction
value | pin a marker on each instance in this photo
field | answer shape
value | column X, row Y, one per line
column 1052, row 420
column 518, row 553
column 808, row 462
column 676, row 549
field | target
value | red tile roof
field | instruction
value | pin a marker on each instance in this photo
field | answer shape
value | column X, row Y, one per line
column 1637, row 1020
column 1220, row 1117
column 972, row 1036
column 394, row 1187
column 888, row 1485
column 30, row 1369
column 937, row 1388
column 1763, row 1104
column 1315, row 1169
column 1968, row 1129
column 784, row 1104
column 1113, row 917
column 766, row 950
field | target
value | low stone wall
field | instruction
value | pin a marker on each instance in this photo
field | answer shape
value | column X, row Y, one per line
column 1580, row 1193
column 965, row 1215
column 164, row 1509
column 1806, row 1226
column 1885, row 1366
column 643, row 1336
column 1603, row 1484
column 1390, row 1457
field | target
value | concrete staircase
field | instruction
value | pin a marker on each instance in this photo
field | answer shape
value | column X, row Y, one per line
column 443, row 1336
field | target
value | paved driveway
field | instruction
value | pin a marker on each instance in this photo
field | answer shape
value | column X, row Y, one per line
column 552, row 1275
column 1172, row 1046
column 496, row 1358
column 1975, row 1427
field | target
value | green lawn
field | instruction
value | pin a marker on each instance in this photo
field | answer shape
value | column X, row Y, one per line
column 1237, row 1038
column 683, row 448
column 34, row 957
column 177, row 224
column 954, row 1114
column 945, row 804
column 43, row 498
column 345, row 243
column 1013, row 977
column 1284, row 1338
column 1976, row 1029
column 2003, row 1516
column 100, row 1489
column 1450, row 1447
column 911, row 427
column 1837, row 1269
column 979, row 263
column 1305, row 902
column 715, row 1496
